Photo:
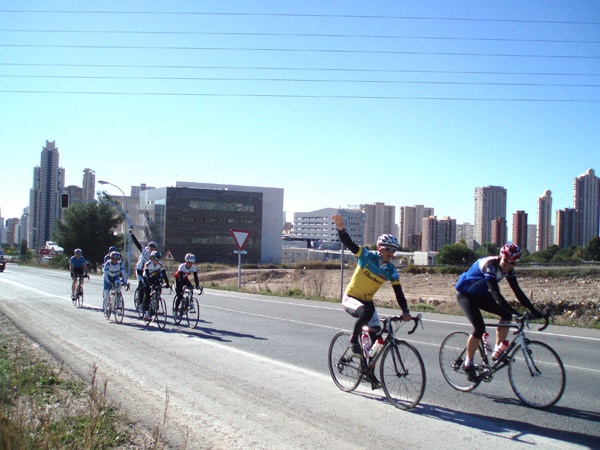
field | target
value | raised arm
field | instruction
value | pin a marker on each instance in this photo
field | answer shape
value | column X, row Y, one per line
column 135, row 241
column 344, row 236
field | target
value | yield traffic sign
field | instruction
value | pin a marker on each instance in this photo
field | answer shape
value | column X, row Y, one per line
column 240, row 237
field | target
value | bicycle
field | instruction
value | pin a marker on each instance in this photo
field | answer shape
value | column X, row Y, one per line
column 116, row 303
column 535, row 371
column 78, row 297
column 401, row 368
column 188, row 306
column 158, row 306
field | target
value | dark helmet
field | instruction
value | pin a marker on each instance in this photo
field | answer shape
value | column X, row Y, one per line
column 112, row 248
column 156, row 254
column 152, row 244
column 78, row 251
column 116, row 255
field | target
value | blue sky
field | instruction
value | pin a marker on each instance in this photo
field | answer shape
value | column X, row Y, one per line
column 339, row 103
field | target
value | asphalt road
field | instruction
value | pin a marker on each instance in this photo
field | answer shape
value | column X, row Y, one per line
column 253, row 375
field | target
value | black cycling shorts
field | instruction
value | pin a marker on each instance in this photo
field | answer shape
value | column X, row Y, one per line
column 472, row 305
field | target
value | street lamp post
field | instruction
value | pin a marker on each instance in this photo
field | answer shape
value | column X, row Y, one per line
column 127, row 247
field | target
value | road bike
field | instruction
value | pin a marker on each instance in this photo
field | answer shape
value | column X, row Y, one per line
column 401, row 368
column 535, row 371
column 116, row 303
column 78, row 297
column 188, row 307
column 158, row 306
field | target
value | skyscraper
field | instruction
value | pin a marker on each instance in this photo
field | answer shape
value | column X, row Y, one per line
column 89, row 185
column 499, row 231
column 586, row 200
column 519, row 233
column 380, row 219
column 565, row 232
column 544, row 222
column 44, row 198
column 411, row 225
column 490, row 202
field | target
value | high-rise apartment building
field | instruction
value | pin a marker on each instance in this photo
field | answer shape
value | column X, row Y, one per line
column 465, row 231
column 565, row 229
column 437, row 233
column 44, row 197
column 89, row 185
column 531, row 237
column 519, row 231
column 318, row 226
column 411, row 225
column 544, row 222
column 379, row 219
column 498, row 231
column 586, row 200
column 490, row 202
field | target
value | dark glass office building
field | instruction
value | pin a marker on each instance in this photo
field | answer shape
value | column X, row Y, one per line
column 200, row 221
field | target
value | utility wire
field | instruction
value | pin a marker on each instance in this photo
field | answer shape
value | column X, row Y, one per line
column 357, row 97
column 320, row 35
column 298, row 50
column 326, row 69
column 333, row 16
column 298, row 80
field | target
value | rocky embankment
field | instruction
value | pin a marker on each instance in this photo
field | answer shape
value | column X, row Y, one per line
column 575, row 299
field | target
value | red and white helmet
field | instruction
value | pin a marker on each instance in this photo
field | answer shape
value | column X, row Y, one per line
column 389, row 241
column 510, row 251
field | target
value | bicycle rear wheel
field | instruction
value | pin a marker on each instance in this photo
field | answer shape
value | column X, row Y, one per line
column 536, row 375
column 108, row 305
column 193, row 313
column 344, row 369
column 160, row 316
column 453, row 352
column 402, row 375
column 119, row 308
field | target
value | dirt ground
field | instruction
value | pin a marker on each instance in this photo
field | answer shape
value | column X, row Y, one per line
column 573, row 298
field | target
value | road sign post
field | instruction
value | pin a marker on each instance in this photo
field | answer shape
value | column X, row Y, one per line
column 240, row 237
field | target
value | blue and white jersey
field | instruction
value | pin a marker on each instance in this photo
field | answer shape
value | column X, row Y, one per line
column 143, row 259
column 370, row 274
column 112, row 271
column 474, row 280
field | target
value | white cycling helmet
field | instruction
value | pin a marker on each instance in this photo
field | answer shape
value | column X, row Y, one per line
column 388, row 241
column 190, row 257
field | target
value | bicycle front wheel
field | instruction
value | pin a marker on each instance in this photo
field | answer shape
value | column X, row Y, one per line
column 453, row 352
column 193, row 313
column 160, row 316
column 137, row 303
column 119, row 308
column 177, row 312
column 80, row 297
column 536, row 375
column 344, row 369
column 108, row 305
column 402, row 375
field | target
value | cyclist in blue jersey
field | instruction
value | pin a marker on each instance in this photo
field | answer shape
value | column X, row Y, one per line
column 477, row 289
column 78, row 268
column 114, row 272
column 372, row 271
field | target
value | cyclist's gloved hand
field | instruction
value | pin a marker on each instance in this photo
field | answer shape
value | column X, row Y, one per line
column 197, row 286
column 536, row 314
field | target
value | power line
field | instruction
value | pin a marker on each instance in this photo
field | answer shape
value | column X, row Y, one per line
column 299, row 80
column 334, row 16
column 361, row 36
column 356, row 97
column 315, row 69
column 298, row 50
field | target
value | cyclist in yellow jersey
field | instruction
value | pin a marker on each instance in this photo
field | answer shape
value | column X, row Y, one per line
column 372, row 271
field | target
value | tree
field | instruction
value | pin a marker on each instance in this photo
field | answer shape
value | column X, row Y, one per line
column 487, row 249
column 458, row 254
column 89, row 226
column 592, row 250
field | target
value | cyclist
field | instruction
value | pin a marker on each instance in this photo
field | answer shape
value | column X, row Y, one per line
column 154, row 273
column 373, row 269
column 78, row 268
column 182, row 277
column 142, row 260
column 112, row 248
column 114, row 272
column 477, row 289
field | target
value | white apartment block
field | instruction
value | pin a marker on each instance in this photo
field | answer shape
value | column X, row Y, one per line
column 319, row 227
